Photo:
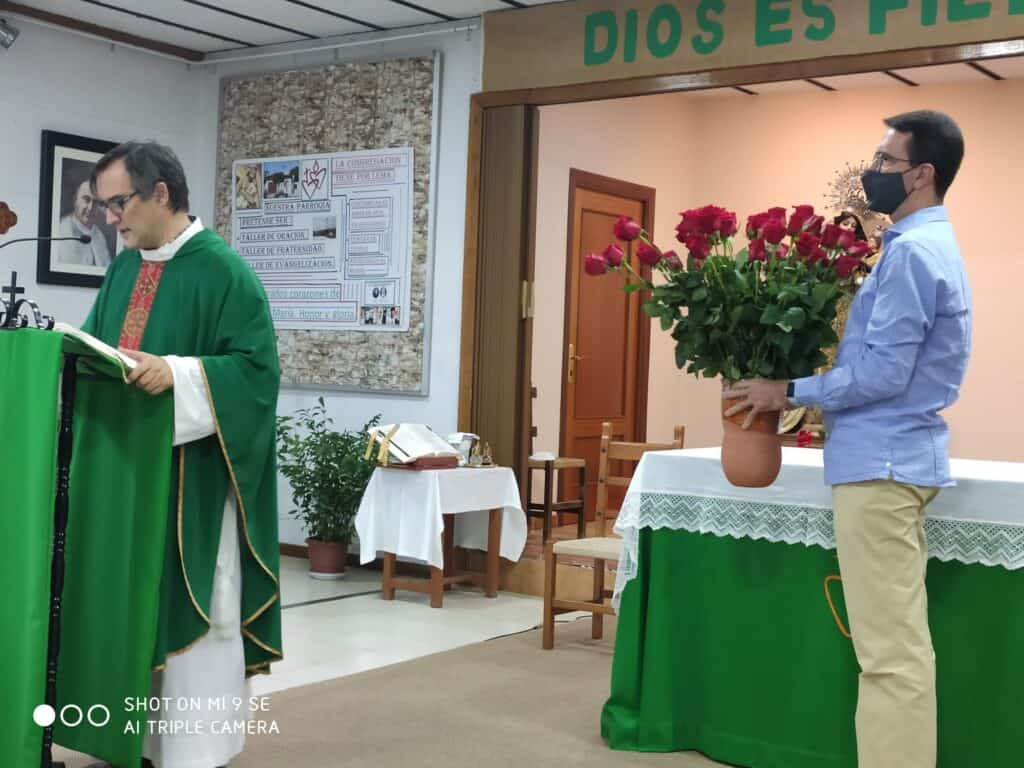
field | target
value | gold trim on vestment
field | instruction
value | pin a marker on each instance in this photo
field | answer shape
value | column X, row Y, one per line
column 261, row 611
column 261, row 644
column 245, row 521
column 181, row 546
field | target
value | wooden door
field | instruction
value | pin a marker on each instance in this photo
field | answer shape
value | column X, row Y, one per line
column 606, row 351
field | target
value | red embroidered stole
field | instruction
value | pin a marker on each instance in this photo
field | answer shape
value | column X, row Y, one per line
column 135, row 319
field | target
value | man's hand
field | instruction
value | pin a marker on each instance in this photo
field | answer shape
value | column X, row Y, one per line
column 152, row 374
column 759, row 395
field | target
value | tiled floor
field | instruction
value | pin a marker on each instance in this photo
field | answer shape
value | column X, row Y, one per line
column 356, row 631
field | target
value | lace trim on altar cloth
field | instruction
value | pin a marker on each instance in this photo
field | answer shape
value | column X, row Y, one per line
column 966, row 541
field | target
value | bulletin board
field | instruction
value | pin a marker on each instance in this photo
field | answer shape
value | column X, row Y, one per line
column 349, row 283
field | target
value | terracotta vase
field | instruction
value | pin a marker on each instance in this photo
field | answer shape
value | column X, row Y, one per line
column 751, row 458
column 327, row 558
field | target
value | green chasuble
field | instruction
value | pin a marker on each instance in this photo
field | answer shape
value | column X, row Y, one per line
column 210, row 305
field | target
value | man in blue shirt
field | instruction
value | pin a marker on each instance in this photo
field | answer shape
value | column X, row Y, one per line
column 901, row 361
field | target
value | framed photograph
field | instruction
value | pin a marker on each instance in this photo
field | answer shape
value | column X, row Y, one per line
column 67, row 209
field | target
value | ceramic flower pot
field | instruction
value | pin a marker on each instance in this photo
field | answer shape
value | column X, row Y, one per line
column 327, row 558
column 751, row 458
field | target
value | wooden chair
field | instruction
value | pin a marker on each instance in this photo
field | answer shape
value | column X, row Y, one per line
column 599, row 548
column 549, row 506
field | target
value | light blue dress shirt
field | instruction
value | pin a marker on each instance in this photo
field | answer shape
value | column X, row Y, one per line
column 901, row 361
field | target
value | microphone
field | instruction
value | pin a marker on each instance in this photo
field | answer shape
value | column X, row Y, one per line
column 84, row 239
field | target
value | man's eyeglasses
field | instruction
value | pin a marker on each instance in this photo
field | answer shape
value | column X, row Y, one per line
column 116, row 203
column 884, row 158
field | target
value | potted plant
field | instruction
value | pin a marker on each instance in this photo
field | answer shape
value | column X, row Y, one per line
column 763, row 311
column 328, row 471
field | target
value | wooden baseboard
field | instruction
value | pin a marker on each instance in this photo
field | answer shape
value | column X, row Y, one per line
column 295, row 550
column 407, row 569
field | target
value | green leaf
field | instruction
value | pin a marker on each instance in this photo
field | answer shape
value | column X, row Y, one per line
column 772, row 315
column 653, row 308
column 666, row 321
column 700, row 294
column 793, row 318
column 821, row 293
column 633, row 287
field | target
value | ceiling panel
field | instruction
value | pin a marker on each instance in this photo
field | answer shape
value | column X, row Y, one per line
column 786, row 86
column 718, row 93
column 181, row 12
column 299, row 17
column 383, row 13
column 1012, row 68
column 858, row 81
column 464, row 9
column 943, row 74
column 151, row 30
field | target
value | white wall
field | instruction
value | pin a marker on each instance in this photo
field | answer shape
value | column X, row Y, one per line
column 63, row 82
column 69, row 83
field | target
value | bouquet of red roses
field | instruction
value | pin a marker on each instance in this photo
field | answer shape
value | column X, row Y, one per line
column 763, row 311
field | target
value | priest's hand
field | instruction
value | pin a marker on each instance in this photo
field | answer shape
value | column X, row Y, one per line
column 152, row 374
column 759, row 395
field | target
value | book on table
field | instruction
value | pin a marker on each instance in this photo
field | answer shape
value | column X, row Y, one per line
column 411, row 446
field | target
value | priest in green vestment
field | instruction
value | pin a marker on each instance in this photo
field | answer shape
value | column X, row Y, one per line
column 185, row 305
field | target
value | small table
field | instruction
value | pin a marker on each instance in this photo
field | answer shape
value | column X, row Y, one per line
column 423, row 515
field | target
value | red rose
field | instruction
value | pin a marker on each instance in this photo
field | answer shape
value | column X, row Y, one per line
column 830, row 235
column 804, row 438
column 774, row 231
column 710, row 219
column 672, row 260
column 687, row 228
column 647, row 254
column 813, row 224
column 859, row 249
column 729, row 226
column 845, row 265
column 846, row 238
column 806, row 243
column 799, row 219
column 594, row 265
column 626, row 229
column 818, row 254
column 755, row 223
column 699, row 248
column 778, row 213
column 613, row 255
column 757, row 250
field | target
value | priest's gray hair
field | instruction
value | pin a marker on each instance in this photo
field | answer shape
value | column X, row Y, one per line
column 148, row 163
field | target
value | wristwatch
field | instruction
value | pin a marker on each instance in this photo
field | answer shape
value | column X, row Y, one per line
column 789, row 389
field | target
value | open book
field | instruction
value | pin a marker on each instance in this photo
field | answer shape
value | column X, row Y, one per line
column 411, row 445
column 78, row 341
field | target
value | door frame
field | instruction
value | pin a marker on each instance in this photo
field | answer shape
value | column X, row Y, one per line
column 610, row 186
column 472, row 382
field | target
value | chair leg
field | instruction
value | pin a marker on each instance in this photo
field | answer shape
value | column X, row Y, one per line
column 581, row 518
column 550, row 564
column 549, row 481
column 597, row 622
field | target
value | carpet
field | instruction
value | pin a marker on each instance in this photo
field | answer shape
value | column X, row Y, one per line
column 504, row 703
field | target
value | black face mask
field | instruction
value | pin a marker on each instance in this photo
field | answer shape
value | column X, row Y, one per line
column 885, row 191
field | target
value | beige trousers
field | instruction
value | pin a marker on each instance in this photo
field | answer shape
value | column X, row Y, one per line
column 879, row 528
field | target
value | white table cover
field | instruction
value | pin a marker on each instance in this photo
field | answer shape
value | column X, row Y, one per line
column 981, row 520
column 401, row 512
